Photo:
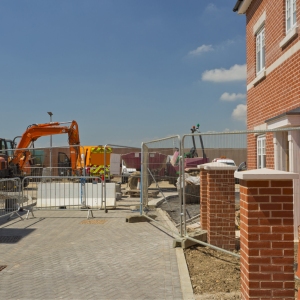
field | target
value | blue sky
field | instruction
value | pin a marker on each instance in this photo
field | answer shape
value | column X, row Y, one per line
column 128, row 71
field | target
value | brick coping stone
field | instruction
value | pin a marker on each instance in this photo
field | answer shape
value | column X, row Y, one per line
column 265, row 174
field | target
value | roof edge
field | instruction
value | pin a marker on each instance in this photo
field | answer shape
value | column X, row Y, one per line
column 241, row 6
column 237, row 5
column 293, row 112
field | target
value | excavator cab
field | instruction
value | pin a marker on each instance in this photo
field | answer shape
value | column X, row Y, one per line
column 64, row 164
column 6, row 147
column 6, row 154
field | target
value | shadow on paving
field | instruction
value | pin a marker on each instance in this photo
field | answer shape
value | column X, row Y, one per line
column 13, row 235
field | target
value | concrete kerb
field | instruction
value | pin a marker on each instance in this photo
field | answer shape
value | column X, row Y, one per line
column 158, row 201
column 185, row 280
column 152, row 204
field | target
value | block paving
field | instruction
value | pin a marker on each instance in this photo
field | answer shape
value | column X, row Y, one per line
column 60, row 257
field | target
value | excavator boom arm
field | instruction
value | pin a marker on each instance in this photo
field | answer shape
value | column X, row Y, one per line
column 38, row 130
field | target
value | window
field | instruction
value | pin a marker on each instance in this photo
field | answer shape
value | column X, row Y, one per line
column 260, row 50
column 290, row 12
column 9, row 145
column 261, row 152
column 2, row 146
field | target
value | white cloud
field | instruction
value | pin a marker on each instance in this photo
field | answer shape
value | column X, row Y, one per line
column 235, row 73
column 232, row 97
column 217, row 48
column 201, row 49
column 210, row 8
column 240, row 113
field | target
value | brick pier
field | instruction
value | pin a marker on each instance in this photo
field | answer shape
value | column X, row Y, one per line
column 217, row 204
column 267, row 238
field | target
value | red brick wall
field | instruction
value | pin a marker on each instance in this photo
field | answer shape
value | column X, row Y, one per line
column 280, row 90
column 221, row 208
column 274, row 31
column 277, row 93
column 267, row 239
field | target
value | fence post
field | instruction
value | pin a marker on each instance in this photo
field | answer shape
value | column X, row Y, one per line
column 267, row 234
column 219, row 196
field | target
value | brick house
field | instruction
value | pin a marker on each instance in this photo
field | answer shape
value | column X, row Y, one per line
column 273, row 86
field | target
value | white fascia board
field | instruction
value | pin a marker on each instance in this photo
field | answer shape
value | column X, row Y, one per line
column 285, row 121
column 244, row 6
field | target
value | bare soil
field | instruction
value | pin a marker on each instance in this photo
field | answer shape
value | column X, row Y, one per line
column 213, row 273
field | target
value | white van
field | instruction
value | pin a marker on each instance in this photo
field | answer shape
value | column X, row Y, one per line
column 126, row 172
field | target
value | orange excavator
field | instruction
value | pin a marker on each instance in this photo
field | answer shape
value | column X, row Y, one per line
column 17, row 164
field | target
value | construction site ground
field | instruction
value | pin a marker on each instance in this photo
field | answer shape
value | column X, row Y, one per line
column 60, row 254
column 63, row 255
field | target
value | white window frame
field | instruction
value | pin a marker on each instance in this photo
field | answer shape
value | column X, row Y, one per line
column 290, row 14
column 260, row 50
column 261, row 151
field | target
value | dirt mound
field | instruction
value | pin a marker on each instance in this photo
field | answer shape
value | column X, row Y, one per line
column 213, row 272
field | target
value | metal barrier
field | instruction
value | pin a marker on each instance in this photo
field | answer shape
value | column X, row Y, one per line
column 211, row 147
column 11, row 200
column 160, row 169
column 47, row 161
column 69, row 192
column 114, row 171
column 277, row 149
column 274, row 149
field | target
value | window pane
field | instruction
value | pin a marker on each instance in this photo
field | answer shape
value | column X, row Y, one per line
column 263, row 161
column 258, row 67
column 260, row 50
column 263, row 49
column 261, row 152
column 288, row 15
column 2, row 146
column 288, row 8
column 258, row 62
column 294, row 13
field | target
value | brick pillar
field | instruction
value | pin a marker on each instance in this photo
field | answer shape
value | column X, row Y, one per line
column 267, row 236
column 203, row 199
column 220, row 199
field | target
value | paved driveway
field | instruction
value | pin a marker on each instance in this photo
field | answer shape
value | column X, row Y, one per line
column 59, row 255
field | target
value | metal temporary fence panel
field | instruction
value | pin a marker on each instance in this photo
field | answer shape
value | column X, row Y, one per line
column 51, row 161
column 160, row 170
column 10, row 196
column 144, row 178
column 277, row 149
column 54, row 192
